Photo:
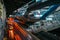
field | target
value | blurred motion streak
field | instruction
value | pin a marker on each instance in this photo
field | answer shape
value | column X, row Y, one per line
column 11, row 34
column 12, row 26
column 17, row 37
column 18, row 27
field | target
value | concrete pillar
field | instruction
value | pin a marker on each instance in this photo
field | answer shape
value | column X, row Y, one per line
column 2, row 19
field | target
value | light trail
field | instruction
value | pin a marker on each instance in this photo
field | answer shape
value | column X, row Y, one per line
column 18, row 27
column 17, row 37
column 11, row 32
